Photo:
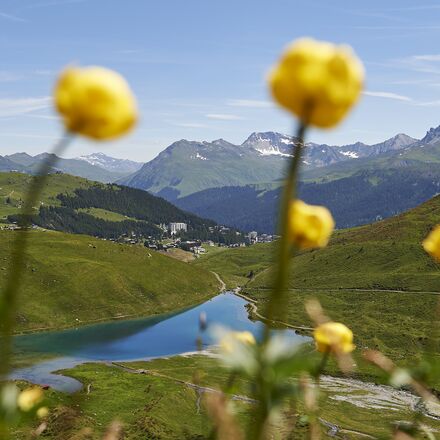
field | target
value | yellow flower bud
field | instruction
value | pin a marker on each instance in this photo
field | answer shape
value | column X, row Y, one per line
column 230, row 341
column 28, row 398
column 42, row 412
column 333, row 337
column 431, row 243
column 317, row 81
column 95, row 102
column 309, row 226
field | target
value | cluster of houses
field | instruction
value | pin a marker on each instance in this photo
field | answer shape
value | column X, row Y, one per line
column 253, row 237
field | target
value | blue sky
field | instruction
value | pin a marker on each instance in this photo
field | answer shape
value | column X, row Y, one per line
column 198, row 67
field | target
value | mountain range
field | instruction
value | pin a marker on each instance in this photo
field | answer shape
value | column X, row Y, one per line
column 186, row 167
column 239, row 185
column 98, row 166
column 372, row 182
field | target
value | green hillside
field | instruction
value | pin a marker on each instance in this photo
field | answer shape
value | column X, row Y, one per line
column 377, row 279
column 144, row 402
column 384, row 255
column 186, row 167
column 74, row 280
column 13, row 187
column 76, row 205
column 235, row 265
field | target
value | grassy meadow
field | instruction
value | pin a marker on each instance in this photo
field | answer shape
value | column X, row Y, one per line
column 72, row 280
column 376, row 279
column 13, row 187
column 144, row 402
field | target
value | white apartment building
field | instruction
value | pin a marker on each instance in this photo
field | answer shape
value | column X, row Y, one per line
column 177, row 227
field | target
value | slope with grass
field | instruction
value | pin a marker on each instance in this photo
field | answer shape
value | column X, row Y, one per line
column 13, row 187
column 72, row 280
column 384, row 255
column 377, row 279
column 238, row 265
column 144, row 402
column 75, row 205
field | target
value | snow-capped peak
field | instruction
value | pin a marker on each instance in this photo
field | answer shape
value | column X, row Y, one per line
column 269, row 143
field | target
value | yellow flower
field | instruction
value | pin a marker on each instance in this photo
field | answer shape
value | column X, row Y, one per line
column 309, row 226
column 233, row 339
column 28, row 398
column 317, row 81
column 431, row 243
column 42, row 412
column 333, row 337
column 95, row 102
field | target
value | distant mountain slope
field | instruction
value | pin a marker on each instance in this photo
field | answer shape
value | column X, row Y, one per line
column 419, row 153
column 121, row 166
column 358, row 199
column 7, row 164
column 186, row 167
column 26, row 163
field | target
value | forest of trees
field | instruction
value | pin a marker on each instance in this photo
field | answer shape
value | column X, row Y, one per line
column 359, row 199
column 133, row 203
column 146, row 211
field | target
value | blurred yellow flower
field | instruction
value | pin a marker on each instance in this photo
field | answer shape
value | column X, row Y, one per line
column 309, row 226
column 28, row 398
column 333, row 337
column 317, row 81
column 431, row 243
column 95, row 102
column 230, row 341
column 42, row 412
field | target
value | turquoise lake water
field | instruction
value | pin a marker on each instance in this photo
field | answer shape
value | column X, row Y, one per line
column 147, row 338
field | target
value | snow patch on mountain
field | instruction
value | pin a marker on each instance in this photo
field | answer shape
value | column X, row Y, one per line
column 111, row 163
column 350, row 154
column 199, row 156
column 271, row 152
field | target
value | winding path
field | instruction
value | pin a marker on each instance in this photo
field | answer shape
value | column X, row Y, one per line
column 253, row 305
column 352, row 289
column 222, row 283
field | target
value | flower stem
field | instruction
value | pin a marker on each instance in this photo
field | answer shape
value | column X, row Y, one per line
column 9, row 296
column 275, row 304
column 276, row 300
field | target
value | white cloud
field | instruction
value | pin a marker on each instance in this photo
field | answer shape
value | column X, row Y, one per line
column 424, row 63
column 11, row 17
column 252, row 103
column 49, row 117
column 428, row 57
column 6, row 76
column 429, row 103
column 387, row 95
column 19, row 106
column 223, row 117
